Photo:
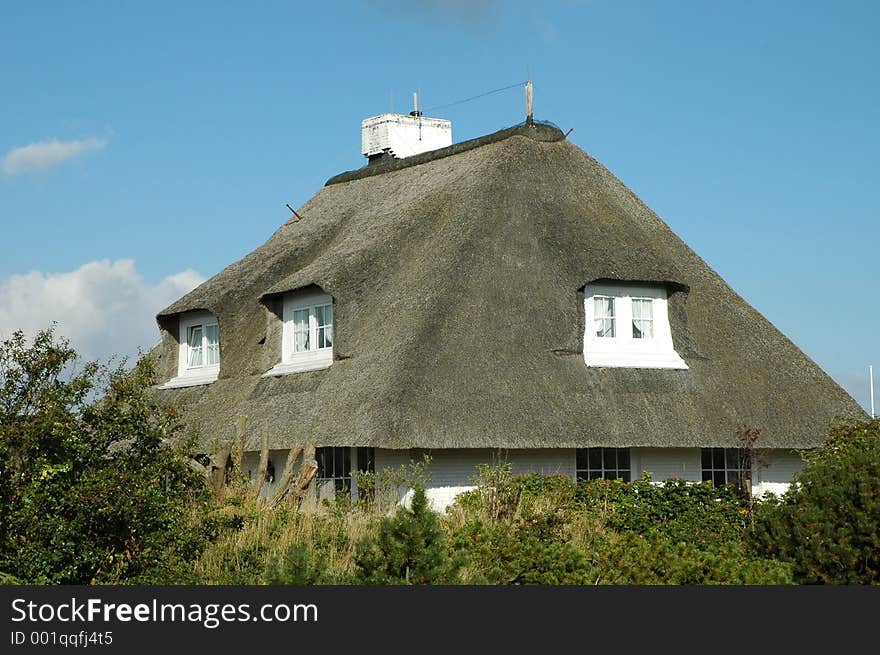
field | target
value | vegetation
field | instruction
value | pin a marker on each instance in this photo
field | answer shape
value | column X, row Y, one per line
column 92, row 490
column 828, row 524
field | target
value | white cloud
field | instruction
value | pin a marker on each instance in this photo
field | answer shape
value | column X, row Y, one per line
column 105, row 308
column 46, row 155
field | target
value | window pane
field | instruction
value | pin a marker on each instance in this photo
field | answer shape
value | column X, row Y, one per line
column 706, row 455
column 707, row 475
column 609, row 458
column 580, row 459
column 195, row 346
column 732, row 458
column 212, row 337
column 595, row 475
column 325, row 336
column 324, row 315
column 595, row 455
column 300, row 330
column 605, row 327
column 643, row 308
column 643, row 329
column 624, row 475
column 718, row 458
column 339, row 467
column 718, row 478
column 366, row 459
column 603, row 308
column 623, row 458
column 643, row 314
column 322, row 455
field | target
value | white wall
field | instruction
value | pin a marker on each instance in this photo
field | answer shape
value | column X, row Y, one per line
column 663, row 463
column 773, row 471
column 453, row 471
column 251, row 466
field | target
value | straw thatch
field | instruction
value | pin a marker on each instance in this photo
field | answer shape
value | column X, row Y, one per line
column 457, row 278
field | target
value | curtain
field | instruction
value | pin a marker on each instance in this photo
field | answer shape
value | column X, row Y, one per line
column 195, row 346
column 324, row 320
column 212, row 332
column 603, row 310
column 643, row 318
column 300, row 330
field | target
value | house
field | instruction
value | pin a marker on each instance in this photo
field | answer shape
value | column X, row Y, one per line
column 500, row 299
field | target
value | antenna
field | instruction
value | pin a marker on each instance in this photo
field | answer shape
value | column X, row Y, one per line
column 530, row 105
column 871, row 378
column 415, row 111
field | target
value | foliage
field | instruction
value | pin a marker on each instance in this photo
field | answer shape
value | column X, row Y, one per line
column 828, row 523
column 298, row 566
column 530, row 550
column 410, row 548
column 678, row 510
column 90, row 490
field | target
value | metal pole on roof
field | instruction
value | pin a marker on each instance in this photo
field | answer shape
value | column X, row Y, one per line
column 871, row 378
column 530, row 107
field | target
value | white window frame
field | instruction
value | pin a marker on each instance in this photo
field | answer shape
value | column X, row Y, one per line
column 730, row 472
column 596, row 469
column 325, row 486
column 310, row 360
column 190, row 376
column 623, row 350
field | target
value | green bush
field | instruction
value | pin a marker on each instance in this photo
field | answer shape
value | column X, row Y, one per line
column 90, row 490
column 300, row 565
column 828, row 523
column 655, row 559
column 410, row 548
column 530, row 550
column 679, row 510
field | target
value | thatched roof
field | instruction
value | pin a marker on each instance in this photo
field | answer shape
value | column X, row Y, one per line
column 457, row 277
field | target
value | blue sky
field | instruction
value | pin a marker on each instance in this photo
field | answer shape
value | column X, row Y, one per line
column 144, row 146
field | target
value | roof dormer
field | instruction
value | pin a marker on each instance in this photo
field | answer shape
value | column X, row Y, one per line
column 628, row 326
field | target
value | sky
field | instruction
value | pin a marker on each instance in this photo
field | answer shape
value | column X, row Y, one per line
column 145, row 146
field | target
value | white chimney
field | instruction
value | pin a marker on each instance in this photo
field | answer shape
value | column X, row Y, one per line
column 403, row 136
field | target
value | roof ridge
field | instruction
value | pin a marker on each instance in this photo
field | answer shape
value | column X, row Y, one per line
column 535, row 131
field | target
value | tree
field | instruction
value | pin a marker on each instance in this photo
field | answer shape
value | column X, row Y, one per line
column 828, row 523
column 90, row 488
column 410, row 548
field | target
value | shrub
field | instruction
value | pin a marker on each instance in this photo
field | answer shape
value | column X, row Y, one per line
column 679, row 510
column 530, row 550
column 90, row 489
column 828, row 523
column 410, row 548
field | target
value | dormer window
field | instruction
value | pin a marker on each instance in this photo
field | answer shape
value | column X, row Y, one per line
column 628, row 326
column 198, row 356
column 307, row 335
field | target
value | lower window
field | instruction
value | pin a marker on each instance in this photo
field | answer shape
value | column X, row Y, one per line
column 602, row 463
column 335, row 473
column 722, row 466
